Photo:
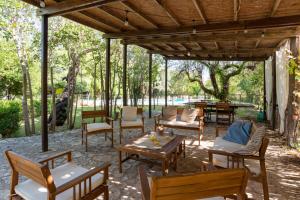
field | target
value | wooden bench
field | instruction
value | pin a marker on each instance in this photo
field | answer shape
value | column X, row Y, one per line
column 65, row 182
column 96, row 127
column 218, row 183
column 197, row 125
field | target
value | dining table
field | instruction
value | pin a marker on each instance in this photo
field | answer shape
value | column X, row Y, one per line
column 211, row 107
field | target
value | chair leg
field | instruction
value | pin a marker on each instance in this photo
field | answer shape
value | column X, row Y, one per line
column 264, row 180
column 86, row 142
column 143, row 130
column 106, row 193
column 81, row 137
column 217, row 131
column 121, row 132
column 112, row 138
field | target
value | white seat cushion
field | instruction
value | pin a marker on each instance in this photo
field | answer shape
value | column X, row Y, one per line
column 137, row 122
column 224, row 145
column 30, row 190
column 129, row 113
column 98, row 126
column 221, row 161
column 194, row 124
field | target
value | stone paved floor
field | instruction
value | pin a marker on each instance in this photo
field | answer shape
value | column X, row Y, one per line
column 283, row 165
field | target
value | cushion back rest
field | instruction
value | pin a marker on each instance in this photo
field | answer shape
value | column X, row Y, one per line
column 180, row 111
column 93, row 114
column 32, row 170
column 222, row 106
column 201, row 185
column 169, row 113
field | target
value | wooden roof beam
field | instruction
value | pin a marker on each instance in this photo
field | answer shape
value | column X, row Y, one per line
column 212, row 38
column 70, row 6
column 236, row 9
column 257, row 58
column 200, row 11
column 257, row 43
column 275, row 7
column 278, row 22
column 116, row 18
column 169, row 46
column 217, row 45
column 219, row 51
column 96, row 18
column 169, row 13
column 136, row 11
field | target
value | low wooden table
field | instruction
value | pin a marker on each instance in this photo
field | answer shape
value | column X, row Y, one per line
column 168, row 154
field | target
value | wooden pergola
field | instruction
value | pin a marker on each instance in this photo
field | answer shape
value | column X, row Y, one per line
column 237, row 30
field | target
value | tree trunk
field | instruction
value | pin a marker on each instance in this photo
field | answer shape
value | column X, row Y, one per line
column 53, row 122
column 31, row 101
column 24, row 102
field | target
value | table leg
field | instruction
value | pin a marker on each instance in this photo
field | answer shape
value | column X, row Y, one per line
column 164, row 167
column 184, row 148
column 120, row 161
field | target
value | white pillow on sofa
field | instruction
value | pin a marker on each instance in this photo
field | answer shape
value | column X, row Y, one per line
column 189, row 115
column 129, row 113
column 254, row 143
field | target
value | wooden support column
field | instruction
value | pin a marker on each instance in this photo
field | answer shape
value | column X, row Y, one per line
column 107, row 76
column 274, row 99
column 265, row 97
column 44, row 83
column 124, row 74
column 166, row 82
column 150, row 85
column 294, row 47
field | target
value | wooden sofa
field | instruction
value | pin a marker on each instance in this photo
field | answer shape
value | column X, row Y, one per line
column 65, row 182
column 222, row 155
column 197, row 125
column 213, row 185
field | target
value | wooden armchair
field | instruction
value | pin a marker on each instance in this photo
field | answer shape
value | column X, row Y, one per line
column 218, row 183
column 96, row 127
column 64, row 182
column 138, row 123
column 223, row 116
column 254, row 163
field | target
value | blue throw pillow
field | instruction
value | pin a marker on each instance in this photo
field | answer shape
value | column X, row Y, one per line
column 239, row 132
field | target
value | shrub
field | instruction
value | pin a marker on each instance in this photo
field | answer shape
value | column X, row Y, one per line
column 10, row 112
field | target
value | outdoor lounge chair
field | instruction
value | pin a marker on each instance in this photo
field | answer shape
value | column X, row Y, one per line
column 96, row 127
column 208, row 184
column 65, row 182
column 224, row 155
column 131, row 118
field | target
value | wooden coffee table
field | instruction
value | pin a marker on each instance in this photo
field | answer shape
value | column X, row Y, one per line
column 167, row 154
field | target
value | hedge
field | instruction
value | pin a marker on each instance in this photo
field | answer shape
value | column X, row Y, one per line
column 10, row 117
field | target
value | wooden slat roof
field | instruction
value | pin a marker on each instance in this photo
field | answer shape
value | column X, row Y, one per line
column 225, row 29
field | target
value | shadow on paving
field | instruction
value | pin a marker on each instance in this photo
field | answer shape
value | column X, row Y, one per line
column 283, row 166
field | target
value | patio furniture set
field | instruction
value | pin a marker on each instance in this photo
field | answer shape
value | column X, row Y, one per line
column 225, row 175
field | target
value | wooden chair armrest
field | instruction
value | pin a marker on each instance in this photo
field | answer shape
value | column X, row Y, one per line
column 52, row 158
column 234, row 155
column 110, row 118
column 83, row 177
column 144, row 183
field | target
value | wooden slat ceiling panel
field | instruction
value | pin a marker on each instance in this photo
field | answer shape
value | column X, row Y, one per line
column 255, row 9
column 152, row 9
column 288, row 7
column 186, row 12
column 223, row 13
column 163, row 18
